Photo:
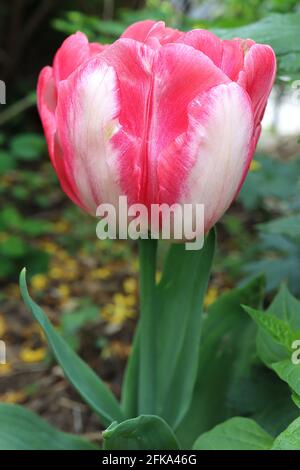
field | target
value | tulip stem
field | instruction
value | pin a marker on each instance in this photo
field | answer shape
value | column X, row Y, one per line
column 148, row 311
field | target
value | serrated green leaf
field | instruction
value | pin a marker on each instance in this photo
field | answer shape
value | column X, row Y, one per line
column 278, row 329
column 285, row 308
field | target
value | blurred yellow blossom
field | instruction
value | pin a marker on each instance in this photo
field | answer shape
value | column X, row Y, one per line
column 116, row 349
column 158, row 275
column 117, row 314
column 63, row 291
column 130, row 285
column 211, row 296
column 56, row 273
column 29, row 355
column 18, row 396
column 101, row 273
column 39, row 282
column 49, row 247
column 61, row 227
column 3, row 326
column 5, row 369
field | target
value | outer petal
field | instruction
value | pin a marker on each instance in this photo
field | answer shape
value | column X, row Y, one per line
column 156, row 88
column 144, row 31
column 47, row 100
column 73, row 52
column 181, row 74
column 88, row 105
column 258, row 77
column 219, row 140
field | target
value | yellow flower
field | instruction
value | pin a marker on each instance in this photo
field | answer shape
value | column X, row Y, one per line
column 135, row 264
column 158, row 275
column 5, row 369
column 39, row 282
column 29, row 355
column 211, row 296
column 13, row 397
column 130, row 285
column 49, row 247
column 61, row 227
column 56, row 273
column 116, row 349
column 101, row 273
column 63, row 291
column 255, row 165
column 118, row 313
column 3, row 327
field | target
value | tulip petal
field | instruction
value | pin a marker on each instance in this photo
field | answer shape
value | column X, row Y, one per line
column 156, row 88
column 206, row 42
column 219, row 141
column 232, row 58
column 73, row 52
column 87, row 110
column 257, row 77
column 143, row 31
column 46, row 100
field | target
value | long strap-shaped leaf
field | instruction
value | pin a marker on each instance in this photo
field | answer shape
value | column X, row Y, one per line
column 173, row 339
column 181, row 292
column 91, row 388
column 20, row 429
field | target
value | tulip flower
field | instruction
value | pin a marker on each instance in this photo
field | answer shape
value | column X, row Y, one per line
column 160, row 116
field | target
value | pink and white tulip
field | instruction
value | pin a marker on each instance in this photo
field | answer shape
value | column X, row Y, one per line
column 160, row 116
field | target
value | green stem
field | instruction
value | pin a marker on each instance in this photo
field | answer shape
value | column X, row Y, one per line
column 147, row 366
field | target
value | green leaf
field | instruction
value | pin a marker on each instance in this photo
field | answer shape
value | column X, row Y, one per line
column 27, row 146
column 279, row 330
column 288, row 372
column 296, row 399
column 7, row 162
column 180, row 300
column 288, row 226
column 286, row 309
column 226, row 353
column 235, row 434
column 89, row 386
column 289, row 439
column 131, row 379
column 22, row 430
column 147, row 432
column 265, row 31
